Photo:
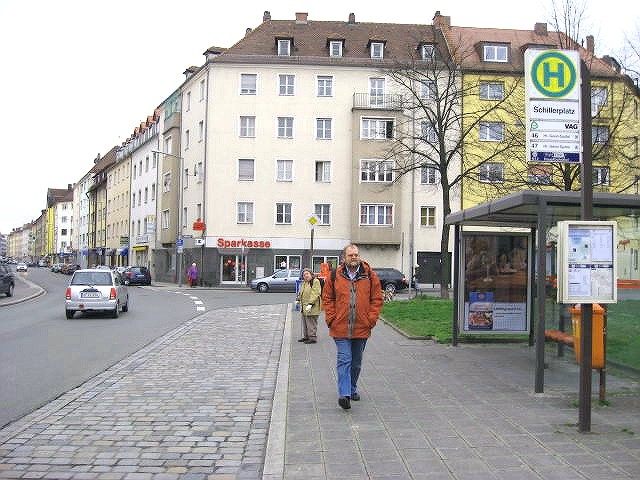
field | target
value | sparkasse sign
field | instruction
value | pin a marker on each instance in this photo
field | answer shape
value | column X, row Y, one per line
column 553, row 108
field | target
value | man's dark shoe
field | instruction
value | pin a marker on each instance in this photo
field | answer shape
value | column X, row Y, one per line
column 303, row 339
column 355, row 397
column 344, row 402
column 310, row 341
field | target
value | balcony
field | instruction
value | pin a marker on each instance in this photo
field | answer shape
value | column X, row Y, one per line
column 365, row 101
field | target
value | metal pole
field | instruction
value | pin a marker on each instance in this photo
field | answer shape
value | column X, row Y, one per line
column 541, row 234
column 311, row 259
column 586, row 213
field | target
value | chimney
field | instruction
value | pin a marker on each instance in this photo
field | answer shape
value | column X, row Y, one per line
column 301, row 18
column 441, row 21
column 266, row 16
column 352, row 18
column 540, row 28
column 69, row 186
column 247, row 31
column 590, row 44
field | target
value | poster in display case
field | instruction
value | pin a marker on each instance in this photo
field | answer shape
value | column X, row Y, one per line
column 495, row 272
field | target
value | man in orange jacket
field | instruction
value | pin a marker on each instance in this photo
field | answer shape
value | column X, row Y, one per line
column 352, row 300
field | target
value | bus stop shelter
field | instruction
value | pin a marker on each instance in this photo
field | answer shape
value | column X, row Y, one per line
column 536, row 211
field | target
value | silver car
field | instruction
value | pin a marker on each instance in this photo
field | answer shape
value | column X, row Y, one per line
column 96, row 290
column 280, row 280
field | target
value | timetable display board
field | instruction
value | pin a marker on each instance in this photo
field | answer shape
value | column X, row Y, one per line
column 587, row 262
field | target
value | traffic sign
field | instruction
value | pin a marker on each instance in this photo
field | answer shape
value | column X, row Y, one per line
column 553, row 110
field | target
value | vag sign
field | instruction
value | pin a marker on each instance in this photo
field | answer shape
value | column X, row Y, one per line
column 553, row 73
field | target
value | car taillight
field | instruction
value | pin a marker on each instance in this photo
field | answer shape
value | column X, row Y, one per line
column 112, row 294
column 68, row 293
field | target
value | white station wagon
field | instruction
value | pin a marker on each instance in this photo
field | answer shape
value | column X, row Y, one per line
column 96, row 290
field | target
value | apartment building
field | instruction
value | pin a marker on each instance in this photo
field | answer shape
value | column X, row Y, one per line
column 291, row 128
column 81, row 219
column 140, row 149
column 97, row 253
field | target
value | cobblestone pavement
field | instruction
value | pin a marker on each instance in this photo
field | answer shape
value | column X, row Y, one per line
column 194, row 404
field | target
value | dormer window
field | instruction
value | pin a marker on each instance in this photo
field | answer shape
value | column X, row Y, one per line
column 377, row 49
column 427, row 52
column 335, row 48
column 284, row 47
column 495, row 53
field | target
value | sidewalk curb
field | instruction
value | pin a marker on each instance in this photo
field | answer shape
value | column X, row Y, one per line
column 39, row 291
column 276, row 441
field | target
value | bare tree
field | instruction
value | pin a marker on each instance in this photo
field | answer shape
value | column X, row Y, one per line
column 435, row 127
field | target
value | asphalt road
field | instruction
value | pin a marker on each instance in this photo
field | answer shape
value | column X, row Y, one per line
column 44, row 355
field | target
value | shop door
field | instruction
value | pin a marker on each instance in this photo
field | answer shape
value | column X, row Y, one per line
column 232, row 269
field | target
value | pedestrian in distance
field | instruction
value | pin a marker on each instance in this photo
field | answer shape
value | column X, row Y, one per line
column 309, row 299
column 192, row 275
column 352, row 300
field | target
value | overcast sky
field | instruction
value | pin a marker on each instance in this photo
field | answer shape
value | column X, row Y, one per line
column 78, row 76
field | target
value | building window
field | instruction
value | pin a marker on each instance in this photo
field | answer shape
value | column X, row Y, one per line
column 135, row 167
column 323, row 212
column 153, row 192
column 284, row 170
column 283, row 214
column 376, row 129
column 187, row 101
column 185, row 178
column 248, row 83
column 427, row 52
column 428, row 90
column 146, row 195
column 495, row 53
column 323, row 171
column 166, row 182
column 202, row 89
column 491, row 131
column 598, row 99
column 134, row 200
column 427, row 216
column 198, row 210
column 429, row 175
column 325, row 86
column 491, row 172
column 376, row 214
column 184, row 218
column 335, row 48
column 284, row 48
column 200, row 130
column 285, row 127
column 377, row 50
column 601, row 176
column 63, row 231
column 164, row 217
column 491, row 91
column 199, row 171
column 376, row 171
column 246, row 170
column 146, row 164
column 247, row 126
column 429, row 133
column 286, row 84
column 245, row 212
column 599, row 134
column 376, row 91
column 323, row 128
column 187, row 139
column 539, row 174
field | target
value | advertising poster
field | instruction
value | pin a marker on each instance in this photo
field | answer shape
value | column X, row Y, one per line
column 496, row 282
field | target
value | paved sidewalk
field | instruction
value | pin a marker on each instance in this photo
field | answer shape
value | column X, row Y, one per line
column 431, row 411
column 232, row 394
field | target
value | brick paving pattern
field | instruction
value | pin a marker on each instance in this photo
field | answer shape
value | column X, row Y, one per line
column 195, row 404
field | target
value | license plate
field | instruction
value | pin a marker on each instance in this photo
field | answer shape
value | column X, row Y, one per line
column 89, row 294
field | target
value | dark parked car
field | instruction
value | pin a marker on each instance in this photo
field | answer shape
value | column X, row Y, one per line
column 6, row 280
column 70, row 268
column 137, row 276
column 391, row 279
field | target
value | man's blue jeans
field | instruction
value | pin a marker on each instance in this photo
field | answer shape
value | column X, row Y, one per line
column 349, row 364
